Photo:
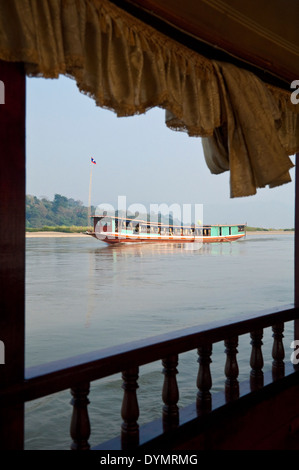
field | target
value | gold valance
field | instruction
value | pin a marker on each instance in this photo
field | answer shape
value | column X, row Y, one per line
column 248, row 128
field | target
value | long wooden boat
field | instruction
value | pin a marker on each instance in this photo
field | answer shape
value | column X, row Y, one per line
column 114, row 229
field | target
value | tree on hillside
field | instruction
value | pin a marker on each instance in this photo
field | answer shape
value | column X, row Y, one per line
column 60, row 211
column 59, row 202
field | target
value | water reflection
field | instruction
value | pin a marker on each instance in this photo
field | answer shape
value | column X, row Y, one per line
column 140, row 250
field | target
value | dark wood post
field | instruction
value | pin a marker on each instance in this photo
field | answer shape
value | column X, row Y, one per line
column 80, row 425
column 296, row 263
column 12, row 247
column 231, row 369
column 204, row 380
column 130, row 410
column 256, row 360
column 170, row 393
column 278, row 354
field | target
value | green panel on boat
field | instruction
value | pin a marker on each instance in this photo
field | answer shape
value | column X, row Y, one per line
column 225, row 231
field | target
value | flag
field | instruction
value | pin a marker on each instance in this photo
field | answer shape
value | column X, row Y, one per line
column 93, row 161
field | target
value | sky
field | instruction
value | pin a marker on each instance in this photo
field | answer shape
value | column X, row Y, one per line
column 137, row 158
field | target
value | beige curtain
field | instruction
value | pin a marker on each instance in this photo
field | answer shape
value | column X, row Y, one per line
column 247, row 127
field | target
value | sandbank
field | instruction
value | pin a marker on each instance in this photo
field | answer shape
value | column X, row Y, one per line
column 54, row 234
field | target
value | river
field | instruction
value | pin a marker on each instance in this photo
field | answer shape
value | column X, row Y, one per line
column 82, row 295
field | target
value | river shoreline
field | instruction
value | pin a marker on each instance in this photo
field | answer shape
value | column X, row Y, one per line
column 80, row 235
column 54, row 235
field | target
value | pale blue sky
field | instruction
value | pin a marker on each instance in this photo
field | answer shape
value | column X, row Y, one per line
column 137, row 157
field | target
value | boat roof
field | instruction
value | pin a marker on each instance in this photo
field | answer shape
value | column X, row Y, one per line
column 156, row 222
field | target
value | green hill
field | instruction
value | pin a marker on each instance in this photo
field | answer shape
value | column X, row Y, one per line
column 59, row 212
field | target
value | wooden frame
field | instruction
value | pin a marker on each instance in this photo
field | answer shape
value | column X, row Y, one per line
column 12, row 247
column 15, row 389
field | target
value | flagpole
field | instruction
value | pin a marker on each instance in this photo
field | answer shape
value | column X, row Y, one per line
column 93, row 162
column 89, row 198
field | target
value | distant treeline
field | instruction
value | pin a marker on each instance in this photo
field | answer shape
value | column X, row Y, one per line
column 68, row 215
column 59, row 212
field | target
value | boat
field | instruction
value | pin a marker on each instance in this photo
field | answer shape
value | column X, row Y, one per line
column 114, row 229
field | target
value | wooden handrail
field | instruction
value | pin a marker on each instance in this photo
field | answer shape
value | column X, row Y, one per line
column 78, row 372
column 66, row 373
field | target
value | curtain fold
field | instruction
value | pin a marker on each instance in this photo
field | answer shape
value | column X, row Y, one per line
column 247, row 127
column 256, row 148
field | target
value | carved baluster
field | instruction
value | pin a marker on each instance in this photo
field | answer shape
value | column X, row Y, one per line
column 278, row 352
column 204, row 380
column 256, row 360
column 170, row 392
column 231, row 369
column 80, row 425
column 130, row 409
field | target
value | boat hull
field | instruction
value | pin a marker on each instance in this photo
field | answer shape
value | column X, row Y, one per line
column 120, row 230
column 113, row 239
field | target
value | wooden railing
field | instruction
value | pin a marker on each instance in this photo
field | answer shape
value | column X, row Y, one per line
column 76, row 373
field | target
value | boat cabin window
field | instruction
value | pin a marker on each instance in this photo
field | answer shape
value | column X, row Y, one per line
column 105, row 224
column 143, row 228
column 121, row 224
